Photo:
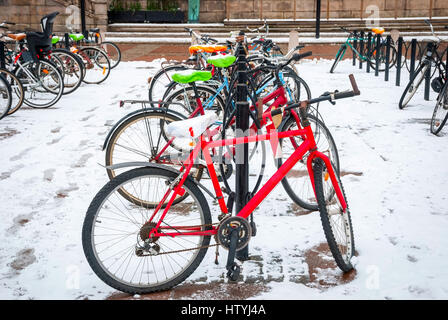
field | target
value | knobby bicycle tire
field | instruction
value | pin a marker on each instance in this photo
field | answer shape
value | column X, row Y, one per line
column 330, row 210
column 413, row 85
column 440, row 114
column 96, row 217
column 126, row 129
column 292, row 189
column 16, row 90
column 338, row 57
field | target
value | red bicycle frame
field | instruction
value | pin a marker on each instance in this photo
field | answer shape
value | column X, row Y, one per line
column 308, row 145
column 280, row 99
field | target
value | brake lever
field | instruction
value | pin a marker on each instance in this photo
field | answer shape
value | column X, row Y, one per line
column 331, row 94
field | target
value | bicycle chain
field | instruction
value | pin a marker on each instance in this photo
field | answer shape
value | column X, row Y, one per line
column 201, row 247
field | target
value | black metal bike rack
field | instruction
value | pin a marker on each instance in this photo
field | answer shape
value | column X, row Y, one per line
column 377, row 58
column 413, row 52
column 369, row 44
column 427, row 82
column 399, row 54
column 375, row 41
column 386, row 72
column 355, row 46
column 242, row 127
column 2, row 55
column 361, row 47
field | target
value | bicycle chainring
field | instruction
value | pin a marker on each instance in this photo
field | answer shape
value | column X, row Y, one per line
column 224, row 230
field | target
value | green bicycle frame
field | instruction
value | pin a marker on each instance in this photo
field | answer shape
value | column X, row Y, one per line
column 348, row 44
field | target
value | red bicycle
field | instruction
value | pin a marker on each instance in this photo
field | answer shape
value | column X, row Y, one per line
column 139, row 250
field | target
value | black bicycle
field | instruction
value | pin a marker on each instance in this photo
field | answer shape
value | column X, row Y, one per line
column 440, row 114
column 431, row 58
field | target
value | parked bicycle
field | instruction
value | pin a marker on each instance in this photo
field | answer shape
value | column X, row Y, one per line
column 431, row 58
column 111, row 49
column 140, row 136
column 440, row 114
column 41, row 79
column 95, row 62
column 366, row 55
column 158, row 248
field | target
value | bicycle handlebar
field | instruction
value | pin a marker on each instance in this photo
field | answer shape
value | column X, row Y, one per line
column 269, row 64
column 296, row 57
column 328, row 96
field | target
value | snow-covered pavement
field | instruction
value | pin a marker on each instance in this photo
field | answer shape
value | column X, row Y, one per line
column 394, row 176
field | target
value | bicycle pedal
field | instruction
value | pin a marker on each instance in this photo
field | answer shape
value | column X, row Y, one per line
column 233, row 272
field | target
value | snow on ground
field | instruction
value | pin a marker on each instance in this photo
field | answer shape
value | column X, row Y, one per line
column 395, row 174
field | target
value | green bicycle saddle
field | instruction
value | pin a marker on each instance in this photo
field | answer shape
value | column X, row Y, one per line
column 187, row 76
column 55, row 39
column 76, row 36
column 221, row 60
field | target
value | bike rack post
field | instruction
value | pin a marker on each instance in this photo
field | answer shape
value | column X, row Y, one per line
column 446, row 58
column 413, row 50
column 386, row 72
column 66, row 41
column 369, row 47
column 377, row 58
column 399, row 53
column 361, row 47
column 2, row 55
column 242, row 127
column 355, row 47
column 427, row 82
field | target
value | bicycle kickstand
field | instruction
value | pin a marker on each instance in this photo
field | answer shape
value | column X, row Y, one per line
column 233, row 269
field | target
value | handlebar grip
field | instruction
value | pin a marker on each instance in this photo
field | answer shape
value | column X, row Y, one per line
column 345, row 94
column 299, row 56
column 11, row 23
column 354, row 85
column 276, row 112
column 306, row 54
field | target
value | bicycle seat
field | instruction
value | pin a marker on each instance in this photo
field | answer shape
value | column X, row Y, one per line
column 55, row 39
column 187, row 76
column 76, row 36
column 94, row 30
column 17, row 36
column 207, row 48
column 378, row 30
column 222, row 61
column 191, row 128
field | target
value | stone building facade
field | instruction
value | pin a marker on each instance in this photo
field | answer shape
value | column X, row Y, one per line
column 27, row 13
column 219, row 10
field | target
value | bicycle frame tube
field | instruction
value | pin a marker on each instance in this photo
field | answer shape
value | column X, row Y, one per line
column 280, row 99
column 354, row 50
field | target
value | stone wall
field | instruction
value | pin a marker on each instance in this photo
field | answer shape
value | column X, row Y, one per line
column 27, row 13
column 218, row 10
column 306, row 9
